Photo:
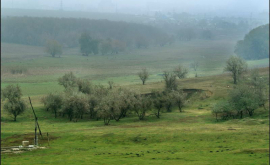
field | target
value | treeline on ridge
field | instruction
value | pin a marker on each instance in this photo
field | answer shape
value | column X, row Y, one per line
column 67, row 31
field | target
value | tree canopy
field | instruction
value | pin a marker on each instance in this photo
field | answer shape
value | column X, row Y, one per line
column 255, row 44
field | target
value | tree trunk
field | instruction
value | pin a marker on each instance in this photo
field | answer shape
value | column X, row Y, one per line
column 158, row 114
column 180, row 108
column 143, row 82
column 55, row 114
column 234, row 78
column 70, row 118
column 241, row 114
column 15, row 117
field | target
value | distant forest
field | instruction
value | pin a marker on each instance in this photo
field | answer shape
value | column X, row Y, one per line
column 67, row 31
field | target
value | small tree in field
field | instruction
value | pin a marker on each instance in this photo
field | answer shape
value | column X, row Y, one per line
column 158, row 102
column 143, row 75
column 110, row 84
column 88, row 45
column 84, row 86
column 14, row 105
column 179, row 98
column 68, row 80
column 93, row 101
column 142, row 104
column 243, row 98
column 75, row 105
column 237, row 66
column 222, row 109
column 53, row 48
column 53, row 102
column 15, row 108
column 170, row 81
column 168, row 96
column 259, row 84
column 180, row 71
column 194, row 65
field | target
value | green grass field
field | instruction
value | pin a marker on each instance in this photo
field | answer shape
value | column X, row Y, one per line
column 42, row 71
column 192, row 137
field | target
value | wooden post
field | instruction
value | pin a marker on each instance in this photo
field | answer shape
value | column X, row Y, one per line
column 35, row 132
column 35, row 117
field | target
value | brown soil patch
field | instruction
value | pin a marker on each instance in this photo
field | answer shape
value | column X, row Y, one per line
column 16, row 140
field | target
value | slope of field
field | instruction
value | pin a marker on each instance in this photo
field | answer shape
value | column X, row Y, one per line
column 42, row 71
column 192, row 137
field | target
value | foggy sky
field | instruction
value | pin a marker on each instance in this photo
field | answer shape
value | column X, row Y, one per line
column 144, row 6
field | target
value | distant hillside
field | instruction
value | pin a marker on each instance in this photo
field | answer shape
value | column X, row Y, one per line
column 36, row 31
column 72, row 14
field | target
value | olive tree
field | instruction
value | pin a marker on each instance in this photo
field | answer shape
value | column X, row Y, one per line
column 179, row 97
column 223, row 109
column 144, row 75
column 170, row 81
column 75, row 105
column 108, row 108
column 237, row 66
column 125, row 103
column 168, row 97
column 93, row 101
column 244, row 98
column 142, row 104
column 68, row 80
column 259, row 84
column 14, row 105
column 53, row 48
column 104, row 111
column 180, row 72
column 53, row 102
column 15, row 108
column 158, row 100
column 110, row 84
column 84, row 86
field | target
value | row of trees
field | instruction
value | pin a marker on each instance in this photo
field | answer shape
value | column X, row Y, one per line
column 81, row 98
column 170, row 77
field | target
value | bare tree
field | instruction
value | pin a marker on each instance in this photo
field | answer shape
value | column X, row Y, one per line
column 180, row 71
column 143, row 75
column 237, row 66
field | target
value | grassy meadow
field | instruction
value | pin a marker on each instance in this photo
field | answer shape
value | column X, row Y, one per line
column 192, row 137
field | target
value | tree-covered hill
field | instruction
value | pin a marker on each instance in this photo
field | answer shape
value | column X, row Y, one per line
column 255, row 44
column 36, row 31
